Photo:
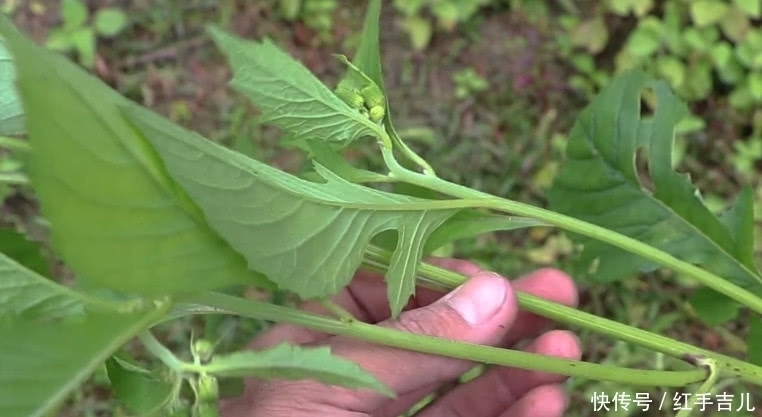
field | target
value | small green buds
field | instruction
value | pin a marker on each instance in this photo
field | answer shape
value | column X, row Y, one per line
column 373, row 96
column 375, row 102
column 369, row 100
column 376, row 113
column 349, row 94
column 207, row 392
column 202, row 351
column 208, row 388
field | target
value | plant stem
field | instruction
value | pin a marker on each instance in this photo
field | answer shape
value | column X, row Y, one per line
column 704, row 389
column 161, row 352
column 427, row 169
column 432, row 345
column 571, row 224
column 13, row 178
column 446, row 280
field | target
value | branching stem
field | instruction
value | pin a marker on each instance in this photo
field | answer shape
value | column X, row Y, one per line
column 432, row 345
column 571, row 224
column 445, row 280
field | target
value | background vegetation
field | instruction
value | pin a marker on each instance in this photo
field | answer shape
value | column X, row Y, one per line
column 486, row 90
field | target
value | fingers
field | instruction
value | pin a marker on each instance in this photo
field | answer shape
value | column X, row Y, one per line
column 543, row 401
column 365, row 298
column 478, row 312
column 501, row 388
column 550, row 284
column 368, row 290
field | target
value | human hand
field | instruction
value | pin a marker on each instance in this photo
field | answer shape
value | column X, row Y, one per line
column 483, row 310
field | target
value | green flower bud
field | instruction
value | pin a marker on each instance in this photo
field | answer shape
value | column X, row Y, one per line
column 373, row 96
column 376, row 113
column 202, row 350
column 208, row 389
column 349, row 94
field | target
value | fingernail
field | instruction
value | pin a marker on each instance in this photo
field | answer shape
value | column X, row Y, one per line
column 478, row 299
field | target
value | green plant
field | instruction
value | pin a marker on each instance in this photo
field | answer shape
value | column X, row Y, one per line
column 78, row 32
column 746, row 154
column 316, row 14
column 128, row 193
column 444, row 15
column 686, row 43
column 468, row 82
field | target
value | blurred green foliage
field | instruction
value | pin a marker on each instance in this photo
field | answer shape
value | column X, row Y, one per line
column 79, row 29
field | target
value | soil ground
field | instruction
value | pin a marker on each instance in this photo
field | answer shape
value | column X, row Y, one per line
column 503, row 140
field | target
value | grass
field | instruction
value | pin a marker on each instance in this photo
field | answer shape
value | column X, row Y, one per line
column 507, row 140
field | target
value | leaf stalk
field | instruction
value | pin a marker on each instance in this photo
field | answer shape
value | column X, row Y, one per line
column 446, row 280
column 432, row 345
column 574, row 225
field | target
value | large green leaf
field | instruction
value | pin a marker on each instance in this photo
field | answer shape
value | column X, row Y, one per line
column 117, row 219
column 599, row 183
column 43, row 362
column 11, row 113
column 143, row 392
column 294, row 362
column 308, row 237
column 25, row 294
column 287, row 93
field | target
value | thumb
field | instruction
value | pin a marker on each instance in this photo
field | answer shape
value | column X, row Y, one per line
column 480, row 311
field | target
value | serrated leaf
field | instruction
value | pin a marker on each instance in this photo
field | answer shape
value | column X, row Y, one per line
column 117, row 219
column 44, row 362
column 11, row 113
column 599, row 184
column 307, row 237
column 143, row 392
column 288, row 95
column 294, row 362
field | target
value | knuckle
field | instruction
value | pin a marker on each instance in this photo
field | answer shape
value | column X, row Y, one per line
column 441, row 321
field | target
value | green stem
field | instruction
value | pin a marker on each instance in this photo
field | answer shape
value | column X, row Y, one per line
column 390, row 140
column 577, row 226
column 446, row 280
column 704, row 389
column 13, row 178
column 161, row 352
column 340, row 312
column 432, row 345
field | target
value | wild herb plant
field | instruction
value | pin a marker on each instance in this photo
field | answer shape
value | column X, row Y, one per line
column 158, row 223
